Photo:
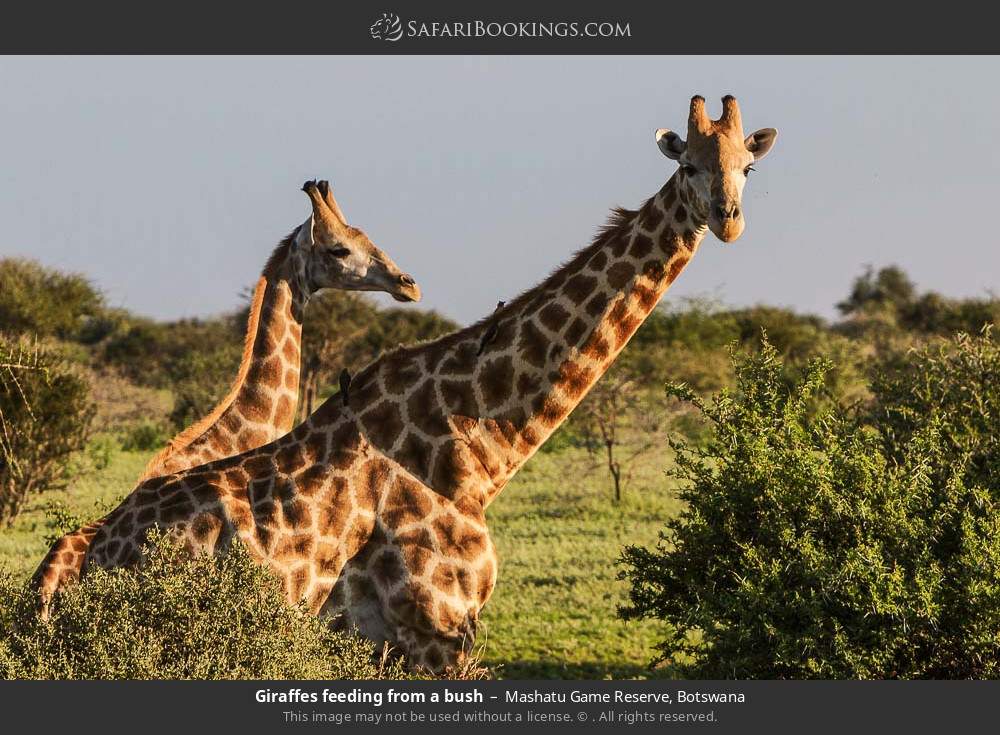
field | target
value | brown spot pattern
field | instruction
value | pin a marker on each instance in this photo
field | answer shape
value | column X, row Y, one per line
column 383, row 424
column 579, row 287
column 424, row 412
column 641, row 246
column 405, row 503
column 283, row 414
column 597, row 305
column 597, row 348
column 415, row 455
column 398, row 377
column 496, row 380
column 575, row 332
column 458, row 397
column 619, row 274
column 532, row 344
column 554, row 317
column 463, row 360
column 652, row 216
column 573, row 379
column 449, row 468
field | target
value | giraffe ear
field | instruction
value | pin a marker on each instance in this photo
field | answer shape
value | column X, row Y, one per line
column 305, row 236
column 670, row 143
column 760, row 143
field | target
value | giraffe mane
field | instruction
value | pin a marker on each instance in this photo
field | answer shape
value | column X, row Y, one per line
column 280, row 254
column 188, row 435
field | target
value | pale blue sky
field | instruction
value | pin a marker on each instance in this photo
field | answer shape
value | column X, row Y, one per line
column 169, row 180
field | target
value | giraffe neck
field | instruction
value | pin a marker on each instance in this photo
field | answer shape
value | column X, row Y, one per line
column 576, row 324
column 260, row 405
column 465, row 412
column 267, row 391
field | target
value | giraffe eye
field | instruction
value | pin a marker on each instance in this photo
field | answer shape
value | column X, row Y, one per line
column 688, row 169
column 747, row 170
column 340, row 252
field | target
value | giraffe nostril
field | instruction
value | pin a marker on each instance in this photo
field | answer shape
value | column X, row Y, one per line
column 727, row 211
column 406, row 279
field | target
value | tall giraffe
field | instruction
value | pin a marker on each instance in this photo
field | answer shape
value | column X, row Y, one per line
column 394, row 477
column 324, row 252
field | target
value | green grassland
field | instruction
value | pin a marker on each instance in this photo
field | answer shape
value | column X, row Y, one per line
column 558, row 534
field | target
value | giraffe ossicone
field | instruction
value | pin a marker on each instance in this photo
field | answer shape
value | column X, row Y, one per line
column 373, row 512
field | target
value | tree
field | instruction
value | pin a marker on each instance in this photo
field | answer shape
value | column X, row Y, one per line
column 889, row 288
column 616, row 416
column 44, row 302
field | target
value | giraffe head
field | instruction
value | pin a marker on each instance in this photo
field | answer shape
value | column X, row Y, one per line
column 340, row 256
column 715, row 161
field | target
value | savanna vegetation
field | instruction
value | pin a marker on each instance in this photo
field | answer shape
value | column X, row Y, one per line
column 178, row 617
column 818, row 501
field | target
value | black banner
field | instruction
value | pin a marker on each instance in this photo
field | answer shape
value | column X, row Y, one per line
column 451, row 27
column 495, row 706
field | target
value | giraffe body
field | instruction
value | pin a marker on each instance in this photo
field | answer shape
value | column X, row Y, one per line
column 373, row 509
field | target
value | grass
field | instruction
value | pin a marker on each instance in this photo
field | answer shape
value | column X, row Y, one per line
column 557, row 532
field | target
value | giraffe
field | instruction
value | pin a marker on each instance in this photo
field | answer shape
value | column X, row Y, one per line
column 373, row 509
column 324, row 252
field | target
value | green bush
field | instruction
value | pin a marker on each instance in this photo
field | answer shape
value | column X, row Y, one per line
column 202, row 381
column 884, row 304
column 813, row 546
column 386, row 330
column 100, row 452
column 162, row 355
column 177, row 617
column 684, row 343
column 60, row 519
column 45, row 416
column 957, row 381
column 44, row 302
column 144, row 436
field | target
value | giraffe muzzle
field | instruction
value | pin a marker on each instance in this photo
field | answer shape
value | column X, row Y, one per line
column 407, row 289
column 726, row 220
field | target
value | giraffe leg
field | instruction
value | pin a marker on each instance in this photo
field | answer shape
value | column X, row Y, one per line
column 353, row 604
column 445, row 643
column 432, row 575
column 63, row 565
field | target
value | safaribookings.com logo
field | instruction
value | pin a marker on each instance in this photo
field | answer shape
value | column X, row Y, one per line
column 387, row 28
column 390, row 28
